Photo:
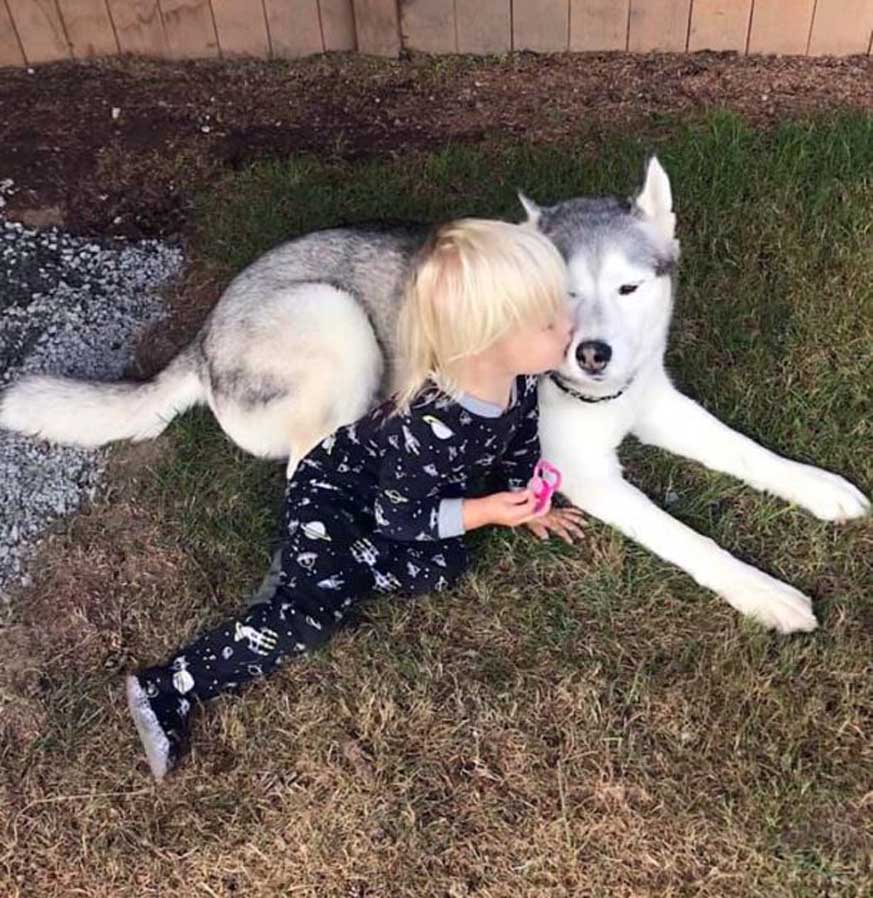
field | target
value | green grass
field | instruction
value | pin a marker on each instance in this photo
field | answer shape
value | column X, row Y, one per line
column 774, row 322
column 569, row 721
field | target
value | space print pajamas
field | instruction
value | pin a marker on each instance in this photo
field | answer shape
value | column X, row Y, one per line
column 375, row 508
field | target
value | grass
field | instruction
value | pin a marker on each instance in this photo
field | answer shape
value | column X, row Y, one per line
column 581, row 721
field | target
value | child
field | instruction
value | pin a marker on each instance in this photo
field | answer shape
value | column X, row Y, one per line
column 382, row 504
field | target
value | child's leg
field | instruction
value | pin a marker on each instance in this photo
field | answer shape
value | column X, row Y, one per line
column 250, row 646
column 420, row 568
column 307, row 608
column 296, row 619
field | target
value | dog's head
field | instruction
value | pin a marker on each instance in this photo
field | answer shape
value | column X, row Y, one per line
column 621, row 256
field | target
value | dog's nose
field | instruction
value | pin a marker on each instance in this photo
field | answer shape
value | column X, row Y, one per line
column 593, row 355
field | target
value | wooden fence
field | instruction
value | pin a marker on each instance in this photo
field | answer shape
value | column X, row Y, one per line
column 35, row 31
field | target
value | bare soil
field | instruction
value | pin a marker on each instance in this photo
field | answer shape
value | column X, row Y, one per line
column 117, row 147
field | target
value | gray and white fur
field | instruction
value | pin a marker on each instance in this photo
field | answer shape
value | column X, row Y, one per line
column 302, row 342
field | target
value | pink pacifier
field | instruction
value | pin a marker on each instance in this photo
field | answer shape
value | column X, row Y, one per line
column 544, row 484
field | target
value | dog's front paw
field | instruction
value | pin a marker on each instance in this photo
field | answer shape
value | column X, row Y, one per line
column 772, row 603
column 828, row 496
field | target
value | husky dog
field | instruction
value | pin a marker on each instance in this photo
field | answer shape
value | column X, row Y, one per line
column 621, row 257
column 302, row 342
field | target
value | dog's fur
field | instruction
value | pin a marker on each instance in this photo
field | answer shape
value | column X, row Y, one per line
column 302, row 342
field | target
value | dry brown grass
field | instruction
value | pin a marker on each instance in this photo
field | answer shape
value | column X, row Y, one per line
column 579, row 722
column 557, row 732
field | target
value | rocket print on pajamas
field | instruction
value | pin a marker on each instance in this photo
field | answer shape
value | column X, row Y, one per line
column 410, row 443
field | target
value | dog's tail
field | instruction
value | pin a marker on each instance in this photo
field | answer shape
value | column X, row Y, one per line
column 90, row 414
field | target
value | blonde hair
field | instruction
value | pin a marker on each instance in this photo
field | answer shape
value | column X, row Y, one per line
column 473, row 282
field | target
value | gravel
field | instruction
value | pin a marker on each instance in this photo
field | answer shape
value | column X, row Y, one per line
column 67, row 306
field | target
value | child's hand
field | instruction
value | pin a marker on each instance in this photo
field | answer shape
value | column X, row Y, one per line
column 509, row 509
column 566, row 522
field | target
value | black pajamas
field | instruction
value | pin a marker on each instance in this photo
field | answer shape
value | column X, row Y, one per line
column 375, row 508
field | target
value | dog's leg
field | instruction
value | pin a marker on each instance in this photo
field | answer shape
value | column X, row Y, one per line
column 680, row 425
column 613, row 500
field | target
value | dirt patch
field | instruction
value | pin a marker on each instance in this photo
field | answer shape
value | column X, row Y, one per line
column 119, row 146
column 189, row 301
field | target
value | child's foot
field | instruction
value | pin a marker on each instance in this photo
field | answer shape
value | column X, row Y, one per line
column 162, row 723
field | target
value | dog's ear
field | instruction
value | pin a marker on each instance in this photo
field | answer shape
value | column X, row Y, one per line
column 531, row 208
column 655, row 200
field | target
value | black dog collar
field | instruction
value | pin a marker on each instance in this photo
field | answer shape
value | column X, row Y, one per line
column 570, row 391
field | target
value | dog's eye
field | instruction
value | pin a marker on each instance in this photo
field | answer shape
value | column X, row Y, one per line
column 626, row 289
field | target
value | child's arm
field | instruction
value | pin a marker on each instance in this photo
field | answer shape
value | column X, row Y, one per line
column 408, row 506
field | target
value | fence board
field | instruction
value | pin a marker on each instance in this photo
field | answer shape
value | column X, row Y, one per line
column 377, row 27
column 89, row 28
column 337, row 24
column 598, row 24
column 428, row 25
column 241, row 27
column 294, row 27
column 658, row 25
column 10, row 49
column 40, row 30
column 189, row 28
column 780, row 26
column 484, row 26
column 541, row 25
column 719, row 25
column 138, row 26
column 841, row 27
column 35, row 31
